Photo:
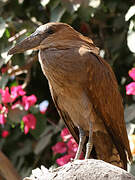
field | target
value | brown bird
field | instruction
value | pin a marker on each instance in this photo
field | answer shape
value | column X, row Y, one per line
column 84, row 90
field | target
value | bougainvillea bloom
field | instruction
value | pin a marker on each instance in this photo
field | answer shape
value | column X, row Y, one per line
column 68, row 147
column 72, row 146
column 16, row 104
column 60, row 147
column 6, row 97
column 3, row 109
column 2, row 119
column 43, row 106
column 65, row 134
column 17, row 91
column 63, row 160
column 4, row 133
column 29, row 122
column 0, row 107
column 132, row 73
column 130, row 89
column 28, row 101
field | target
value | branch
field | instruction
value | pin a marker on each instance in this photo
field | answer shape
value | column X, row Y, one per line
column 23, row 69
column 7, row 171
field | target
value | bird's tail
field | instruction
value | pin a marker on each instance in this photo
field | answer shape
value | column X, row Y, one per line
column 106, row 150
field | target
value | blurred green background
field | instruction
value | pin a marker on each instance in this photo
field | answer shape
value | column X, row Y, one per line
column 109, row 23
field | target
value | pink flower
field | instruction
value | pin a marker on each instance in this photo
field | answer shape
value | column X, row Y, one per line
column 28, row 101
column 43, row 106
column 16, row 104
column 72, row 147
column 17, row 91
column 5, row 133
column 63, row 160
column 3, row 109
column 132, row 73
column 60, row 147
column 130, row 88
column 65, row 134
column 6, row 97
column 2, row 119
column 29, row 122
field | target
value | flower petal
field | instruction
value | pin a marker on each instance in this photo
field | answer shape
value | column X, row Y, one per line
column 130, row 89
column 60, row 147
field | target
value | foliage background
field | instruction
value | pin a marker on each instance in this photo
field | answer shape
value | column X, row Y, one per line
column 103, row 21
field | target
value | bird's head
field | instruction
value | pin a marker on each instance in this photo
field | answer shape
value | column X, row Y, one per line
column 45, row 36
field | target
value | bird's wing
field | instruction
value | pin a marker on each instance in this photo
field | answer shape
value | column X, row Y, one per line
column 64, row 115
column 68, row 122
column 102, row 90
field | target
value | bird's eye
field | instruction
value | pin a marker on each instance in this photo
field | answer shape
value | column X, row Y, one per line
column 50, row 31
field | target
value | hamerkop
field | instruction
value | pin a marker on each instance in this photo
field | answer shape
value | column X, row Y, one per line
column 84, row 90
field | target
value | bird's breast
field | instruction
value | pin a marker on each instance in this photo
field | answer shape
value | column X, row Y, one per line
column 63, row 66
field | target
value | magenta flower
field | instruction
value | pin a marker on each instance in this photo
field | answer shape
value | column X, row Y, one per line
column 69, row 146
column 5, row 133
column 64, row 160
column 28, row 101
column 130, row 89
column 65, row 134
column 60, row 147
column 6, row 97
column 29, row 122
column 132, row 73
column 3, row 109
column 16, row 104
column 17, row 91
column 0, row 107
column 72, row 147
column 2, row 119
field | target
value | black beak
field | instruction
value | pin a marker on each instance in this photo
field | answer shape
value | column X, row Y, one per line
column 31, row 42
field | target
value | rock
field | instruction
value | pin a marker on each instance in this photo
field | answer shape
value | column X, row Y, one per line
column 89, row 169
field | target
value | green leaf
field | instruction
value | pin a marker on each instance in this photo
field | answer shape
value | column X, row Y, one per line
column 68, row 18
column 131, row 168
column 40, row 126
column 119, row 22
column 85, row 13
column 2, row 26
column 16, row 115
column 53, row 4
column 34, row 109
column 7, row 33
column 57, row 14
column 13, row 83
column 129, row 113
column 3, row 81
column 70, row 6
column 22, row 126
column 43, row 143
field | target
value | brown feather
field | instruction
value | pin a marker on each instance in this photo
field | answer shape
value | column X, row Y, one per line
column 83, row 87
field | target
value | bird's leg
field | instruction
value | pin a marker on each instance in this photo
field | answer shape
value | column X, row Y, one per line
column 90, row 142
column 82, row 138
